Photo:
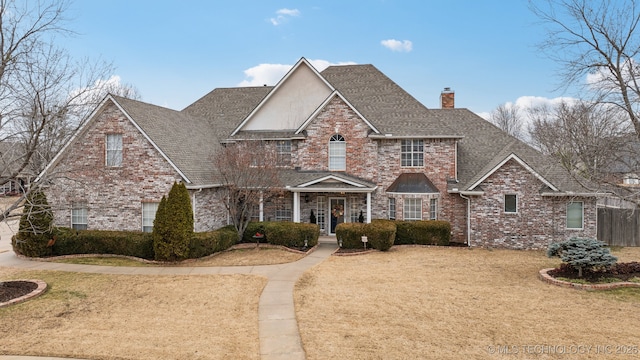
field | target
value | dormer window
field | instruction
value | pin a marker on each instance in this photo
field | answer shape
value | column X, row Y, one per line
column 337, row 153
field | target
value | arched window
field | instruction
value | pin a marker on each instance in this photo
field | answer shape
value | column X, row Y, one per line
column 337, row 153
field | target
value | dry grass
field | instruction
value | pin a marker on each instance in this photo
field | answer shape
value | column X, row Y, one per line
column 454, row 303
column 249, row 257
column 135, row 317
column 238, row 257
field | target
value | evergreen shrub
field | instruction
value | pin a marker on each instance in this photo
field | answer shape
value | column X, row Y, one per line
column 582, row 253
column 381, row 234
column 127, row 243
column 173, row 225
column 424, row 232
column 350, row 234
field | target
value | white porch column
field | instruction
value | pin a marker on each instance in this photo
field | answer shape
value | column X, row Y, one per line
column 368, row 207
column 261, row 215
column 296, row 207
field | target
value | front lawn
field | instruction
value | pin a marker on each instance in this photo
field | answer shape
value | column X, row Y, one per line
column 135, row 317
column 454, row 303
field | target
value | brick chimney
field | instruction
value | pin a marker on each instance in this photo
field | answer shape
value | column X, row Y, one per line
column 447, row 97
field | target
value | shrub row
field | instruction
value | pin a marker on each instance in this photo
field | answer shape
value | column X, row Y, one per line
column 382, row 234
column 283, row 233
column 135, row 243
column 428, row 232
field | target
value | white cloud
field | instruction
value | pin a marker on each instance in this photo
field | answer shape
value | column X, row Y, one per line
column 270, row 74
column 284, row 15
column 397, row 45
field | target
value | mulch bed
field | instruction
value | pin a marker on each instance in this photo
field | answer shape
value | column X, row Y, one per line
column 10, row 290
column 620, row 271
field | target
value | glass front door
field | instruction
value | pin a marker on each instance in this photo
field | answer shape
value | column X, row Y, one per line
column 336, row 208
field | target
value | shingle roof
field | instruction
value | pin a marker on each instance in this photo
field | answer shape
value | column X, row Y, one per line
column 391, row 109
column 185, row 140
column 211, row 119
column 485, row 146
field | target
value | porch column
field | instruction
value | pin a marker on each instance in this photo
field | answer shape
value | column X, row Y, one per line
column 368, row 207
column 261, row 205
column 296, row 207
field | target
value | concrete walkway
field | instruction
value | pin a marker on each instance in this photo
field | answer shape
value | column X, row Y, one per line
column 278, row 327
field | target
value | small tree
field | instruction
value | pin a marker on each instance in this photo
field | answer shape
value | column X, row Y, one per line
column 173, row 225
column 34, row 238
column 582, row 253
column 249, row 172
column 312, row 218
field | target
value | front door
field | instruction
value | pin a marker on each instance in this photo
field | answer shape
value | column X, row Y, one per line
column 336, row 213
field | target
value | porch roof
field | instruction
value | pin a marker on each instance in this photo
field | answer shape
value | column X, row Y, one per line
column 324, row 181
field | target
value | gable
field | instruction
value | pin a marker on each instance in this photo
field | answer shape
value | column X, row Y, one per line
column 513, row 159
column 291, row 102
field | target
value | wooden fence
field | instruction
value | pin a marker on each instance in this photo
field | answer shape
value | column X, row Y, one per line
column 619, row 227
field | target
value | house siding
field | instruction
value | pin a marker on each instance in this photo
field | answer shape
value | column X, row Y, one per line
column 113, row 196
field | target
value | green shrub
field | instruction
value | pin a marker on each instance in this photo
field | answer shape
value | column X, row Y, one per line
column 426, row 232
column 284, row 233
column 291, row 234
column 128, row 243
column 381, row 234
column 173, row 225
column 35, row 233
column 350, row 234
column 582, row 253
column 206, row 243
column 253, row 228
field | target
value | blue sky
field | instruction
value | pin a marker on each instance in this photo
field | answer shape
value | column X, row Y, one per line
column 174, row 52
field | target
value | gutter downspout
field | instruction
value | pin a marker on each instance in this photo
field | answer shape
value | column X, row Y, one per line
column 468, row 218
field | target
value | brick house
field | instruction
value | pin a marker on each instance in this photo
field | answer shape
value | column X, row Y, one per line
column 353, row 141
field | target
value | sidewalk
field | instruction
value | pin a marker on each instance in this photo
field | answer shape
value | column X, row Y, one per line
column 277, row 324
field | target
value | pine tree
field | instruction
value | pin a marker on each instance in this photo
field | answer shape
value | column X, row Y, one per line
column 173, row 225
column 35, row 235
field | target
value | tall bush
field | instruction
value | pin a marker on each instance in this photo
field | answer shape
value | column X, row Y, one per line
column 582, row 253
column 35, row 234
column 173, row 225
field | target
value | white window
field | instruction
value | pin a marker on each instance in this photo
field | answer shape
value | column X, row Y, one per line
column 149, row 210
column 392, row 208
column 283, row 210
column 412, row 152
column 413, row 209
column 320, row 219
column 575, row 215
column 433, row 209
column 283, row 149
column 337, row 153
column 510, row 203
column 79, row 216
column 114, row 150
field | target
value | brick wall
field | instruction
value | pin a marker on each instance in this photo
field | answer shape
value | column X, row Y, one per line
column 113, row 195
column 538, row 221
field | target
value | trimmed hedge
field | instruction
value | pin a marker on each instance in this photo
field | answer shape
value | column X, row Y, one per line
column 426, row 232
column 284, row 233
column 129, row 243
column 206, row 243
column 136, row 243
column 381, row 234
column 351, row 235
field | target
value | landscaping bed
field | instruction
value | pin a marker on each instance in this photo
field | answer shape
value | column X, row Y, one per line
column 620, row 272
column 10, row 290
